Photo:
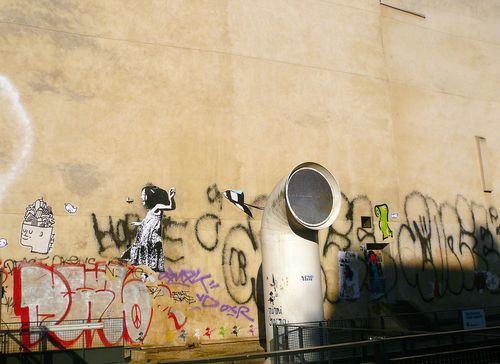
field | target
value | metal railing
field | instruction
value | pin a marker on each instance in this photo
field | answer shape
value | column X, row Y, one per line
column 383, row 339
column 386, row 343
column 415, row 332
column 30, row 337
column 416, row 321
column 378, row 350
column 430, row 320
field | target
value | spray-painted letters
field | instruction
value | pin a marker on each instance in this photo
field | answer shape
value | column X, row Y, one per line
column 72, row 291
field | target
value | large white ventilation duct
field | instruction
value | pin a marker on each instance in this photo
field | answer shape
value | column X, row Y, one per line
column 305, row 201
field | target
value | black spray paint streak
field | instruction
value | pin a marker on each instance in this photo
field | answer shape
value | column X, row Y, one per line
column 211, row 223
column 242, row 246
column 117, row 234
column 436, row 245
column 120, row 234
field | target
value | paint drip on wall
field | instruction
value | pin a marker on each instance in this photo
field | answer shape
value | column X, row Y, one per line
column 37, row 227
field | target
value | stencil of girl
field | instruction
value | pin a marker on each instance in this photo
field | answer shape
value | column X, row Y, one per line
column 148, row 246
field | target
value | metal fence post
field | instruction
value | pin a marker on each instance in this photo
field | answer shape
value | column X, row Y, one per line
column 301, row 344
column 275, row 346
column 379, row 351
column 363, row 348
column 83, row 346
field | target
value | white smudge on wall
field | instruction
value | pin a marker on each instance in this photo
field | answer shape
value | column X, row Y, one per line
column 12, row 109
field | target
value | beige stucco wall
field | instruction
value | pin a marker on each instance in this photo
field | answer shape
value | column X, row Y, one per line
column 212, row 95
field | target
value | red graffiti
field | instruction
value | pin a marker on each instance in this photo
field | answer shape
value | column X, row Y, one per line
column 136, row 316
column 208, row 332
column 177, row 317
column 59, row 293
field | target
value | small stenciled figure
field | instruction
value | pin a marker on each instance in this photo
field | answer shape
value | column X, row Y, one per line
column 183, row 335
column 208, row 332
column 148, row 246
column 272, row 297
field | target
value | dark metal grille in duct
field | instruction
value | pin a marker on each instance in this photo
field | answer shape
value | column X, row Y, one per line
column 310, row 196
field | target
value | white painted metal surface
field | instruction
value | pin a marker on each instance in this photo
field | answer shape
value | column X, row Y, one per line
column 306, row 200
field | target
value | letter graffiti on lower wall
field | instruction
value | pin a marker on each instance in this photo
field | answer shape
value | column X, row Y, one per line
column 53, row 294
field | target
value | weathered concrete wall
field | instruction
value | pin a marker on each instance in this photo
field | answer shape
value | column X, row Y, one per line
column 99, row 98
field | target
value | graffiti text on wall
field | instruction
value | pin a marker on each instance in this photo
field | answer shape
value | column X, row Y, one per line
column 115, row 235
column 193, row 279
column 57, row 293
column 441, row 247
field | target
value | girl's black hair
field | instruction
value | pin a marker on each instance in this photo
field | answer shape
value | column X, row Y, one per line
column 155, row 195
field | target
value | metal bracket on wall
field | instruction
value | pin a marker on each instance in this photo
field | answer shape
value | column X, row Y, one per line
column 483, row 164
column 403, row 10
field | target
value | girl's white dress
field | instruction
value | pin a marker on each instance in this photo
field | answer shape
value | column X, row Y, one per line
column 148, row 246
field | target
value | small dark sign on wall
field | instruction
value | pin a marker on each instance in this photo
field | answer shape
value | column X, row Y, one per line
column 366, row 222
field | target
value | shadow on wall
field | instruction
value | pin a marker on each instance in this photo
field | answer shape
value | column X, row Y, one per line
column 459, row 289
column 441, row 256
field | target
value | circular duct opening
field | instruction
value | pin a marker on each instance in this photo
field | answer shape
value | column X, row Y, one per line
column 310, row 196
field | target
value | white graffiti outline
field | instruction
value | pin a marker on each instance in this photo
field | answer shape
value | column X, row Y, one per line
column 9, row 92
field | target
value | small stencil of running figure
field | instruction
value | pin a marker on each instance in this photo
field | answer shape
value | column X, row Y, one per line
column 208, row 332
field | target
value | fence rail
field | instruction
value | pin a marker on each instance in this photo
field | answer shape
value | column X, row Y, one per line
column 24, row 337
column 375, row 351
column 439, row 320
column 437, row 337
